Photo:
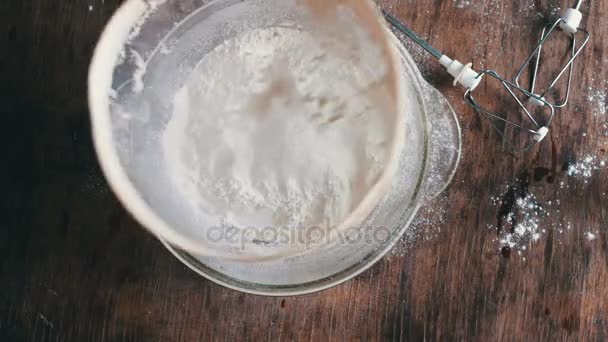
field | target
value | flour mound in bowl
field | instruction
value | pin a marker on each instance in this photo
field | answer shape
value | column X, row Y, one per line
column 277, row 128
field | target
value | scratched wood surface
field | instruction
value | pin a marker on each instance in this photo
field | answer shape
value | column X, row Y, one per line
column 74, row 266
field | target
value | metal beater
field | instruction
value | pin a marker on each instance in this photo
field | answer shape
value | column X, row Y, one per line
column 569, row 23
column 470, row 79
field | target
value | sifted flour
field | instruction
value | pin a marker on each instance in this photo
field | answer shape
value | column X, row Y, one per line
column 273, row 130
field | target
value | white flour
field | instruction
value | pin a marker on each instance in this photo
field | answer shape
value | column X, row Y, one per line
column 596, row 96
column 532, row 217
column 271, row 130
column 523, row 224
column 586, row 168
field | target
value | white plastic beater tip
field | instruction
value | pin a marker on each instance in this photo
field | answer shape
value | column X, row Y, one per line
column 571, row 20
column 537, row 101
column 463, row 74
column 541, row 134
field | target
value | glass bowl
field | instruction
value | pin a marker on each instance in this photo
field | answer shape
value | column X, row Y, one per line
column 130, row 95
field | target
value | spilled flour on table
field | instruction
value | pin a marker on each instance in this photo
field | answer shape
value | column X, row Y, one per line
column 426, row 226
column 596, row 97
column 585, row 168
column 590, row 236
column 525, row 219
column 462, row 3
column 522, row 222
column 595, row 94
column 529, row 218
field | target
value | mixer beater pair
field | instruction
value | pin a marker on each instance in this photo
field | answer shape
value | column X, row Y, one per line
column 537, row 108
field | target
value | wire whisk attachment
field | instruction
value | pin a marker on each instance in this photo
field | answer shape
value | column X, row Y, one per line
column 533, row 125
column 568, row 23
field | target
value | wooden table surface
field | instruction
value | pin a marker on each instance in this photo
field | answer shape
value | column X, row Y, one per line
column 74, row 266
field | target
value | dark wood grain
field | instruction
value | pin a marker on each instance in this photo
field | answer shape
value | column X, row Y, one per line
column 76, row 267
